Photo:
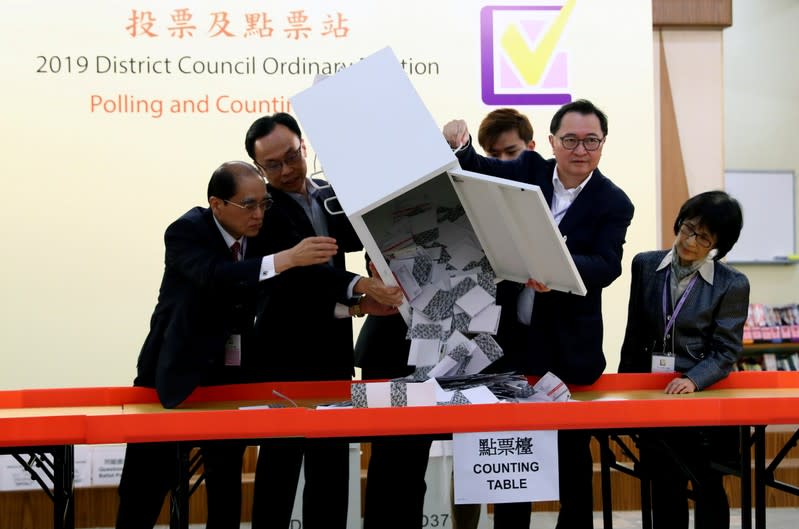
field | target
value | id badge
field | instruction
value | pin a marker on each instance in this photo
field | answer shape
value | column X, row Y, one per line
column 233, row 350
column 662, row 363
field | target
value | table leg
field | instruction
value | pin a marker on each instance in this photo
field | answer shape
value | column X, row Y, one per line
column 605, row 458
column 179, row 499
column 746, row 476
column 760, row 477
column 63, row 487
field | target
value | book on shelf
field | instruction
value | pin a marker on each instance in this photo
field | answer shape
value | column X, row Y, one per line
column 771, row 324
column 787, row 363
column 769, row 361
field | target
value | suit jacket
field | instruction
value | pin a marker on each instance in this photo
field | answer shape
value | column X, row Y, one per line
column 565, row 333
column 707, row 331
column 297, row 332
column 381, row 350
column 204, row 298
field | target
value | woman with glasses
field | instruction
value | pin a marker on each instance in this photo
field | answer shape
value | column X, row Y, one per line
column 686, row 317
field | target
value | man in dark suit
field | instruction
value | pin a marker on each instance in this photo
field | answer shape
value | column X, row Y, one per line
column 201, row 333
column 395, row 482
column 310, row 341
column 543, row 330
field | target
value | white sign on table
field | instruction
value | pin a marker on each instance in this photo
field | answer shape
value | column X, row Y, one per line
column 505, row 467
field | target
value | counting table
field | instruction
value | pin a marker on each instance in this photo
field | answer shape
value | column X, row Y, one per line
column 44, row 424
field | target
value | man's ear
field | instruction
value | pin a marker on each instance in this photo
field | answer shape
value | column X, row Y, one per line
column 531, row 145
column 215, row 203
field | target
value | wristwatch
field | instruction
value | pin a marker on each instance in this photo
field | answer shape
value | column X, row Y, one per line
column 356, row 310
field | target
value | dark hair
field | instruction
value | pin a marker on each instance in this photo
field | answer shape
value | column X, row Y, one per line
column 501, row 120
column 719, row 213
column 581, row 106
column 224, row 180
column 265, row 125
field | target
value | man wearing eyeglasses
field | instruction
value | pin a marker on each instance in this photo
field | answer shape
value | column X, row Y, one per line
column 556, row 331
column 302, row 347
column 201, row 334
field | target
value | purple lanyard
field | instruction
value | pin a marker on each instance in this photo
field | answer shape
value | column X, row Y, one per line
column 669, row 322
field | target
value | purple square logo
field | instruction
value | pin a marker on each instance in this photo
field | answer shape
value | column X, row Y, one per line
column 522, row 62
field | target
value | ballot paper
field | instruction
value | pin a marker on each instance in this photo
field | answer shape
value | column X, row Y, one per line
column 474, row 301
column 449, row 284
column 403, row 273
column 485, row 321
column 553, row 387
column 460, row 320
column 480, row 395
column 424, row 352
column 452, row 390
column 394, row 394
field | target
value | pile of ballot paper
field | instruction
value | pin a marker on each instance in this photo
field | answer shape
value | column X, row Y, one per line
column 450, row 286
column 462, row 389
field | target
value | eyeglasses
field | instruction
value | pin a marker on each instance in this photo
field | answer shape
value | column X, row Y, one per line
column 688, row 231
column 274, row 167
column 252, row 205
column 590, row 144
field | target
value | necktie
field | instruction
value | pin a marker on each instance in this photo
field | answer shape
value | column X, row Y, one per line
column 234, row 249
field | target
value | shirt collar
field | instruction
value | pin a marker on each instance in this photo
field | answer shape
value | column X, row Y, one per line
column 561, row 189
column 309, row 189
column 229, row 239
column 706, row 270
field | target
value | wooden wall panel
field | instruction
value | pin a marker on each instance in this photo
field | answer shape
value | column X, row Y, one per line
column 692, row 13
column 673, row 180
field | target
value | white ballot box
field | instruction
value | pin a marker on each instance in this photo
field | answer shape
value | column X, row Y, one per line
column 402, row 188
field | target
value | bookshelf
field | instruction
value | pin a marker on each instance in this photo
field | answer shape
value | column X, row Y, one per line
column 770, row 356
column 772, row 347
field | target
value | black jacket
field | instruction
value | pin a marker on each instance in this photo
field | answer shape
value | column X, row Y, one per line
column 204, row 298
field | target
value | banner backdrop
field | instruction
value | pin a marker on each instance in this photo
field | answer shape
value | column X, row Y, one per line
column 115, row 113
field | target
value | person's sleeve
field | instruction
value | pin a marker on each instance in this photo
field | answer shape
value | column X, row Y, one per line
column 267, row 268
column 192, row 250
column 602, row 264
column 526, row 168
column 315, row 290
column 726, row 345
column 351, row 286
column 331, row 281
column 341, row 311
column 632, row 349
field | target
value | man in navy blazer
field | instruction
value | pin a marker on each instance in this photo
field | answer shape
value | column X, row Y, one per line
column 542, row 330
column 201, row 333
column 311, row 343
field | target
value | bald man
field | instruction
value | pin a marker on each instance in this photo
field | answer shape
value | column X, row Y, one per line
column 201, row 332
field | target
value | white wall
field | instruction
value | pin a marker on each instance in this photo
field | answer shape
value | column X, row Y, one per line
column 761, row 112
column 88, row 194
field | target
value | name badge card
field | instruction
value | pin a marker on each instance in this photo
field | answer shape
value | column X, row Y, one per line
column 233, row 350
column 662, row 363
column 505, row 467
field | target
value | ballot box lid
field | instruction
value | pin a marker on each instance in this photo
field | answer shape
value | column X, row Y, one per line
column 517, row 231
column 372, row 132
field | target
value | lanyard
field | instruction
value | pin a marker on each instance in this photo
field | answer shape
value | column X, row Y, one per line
column 669, row 322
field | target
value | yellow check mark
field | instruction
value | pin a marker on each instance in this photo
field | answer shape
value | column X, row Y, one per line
column 532, row 63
